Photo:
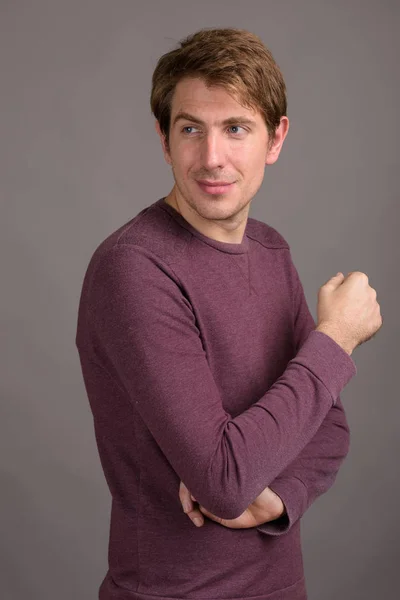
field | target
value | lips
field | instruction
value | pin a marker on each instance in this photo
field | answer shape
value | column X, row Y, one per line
column 215, row 187
column 216, row 183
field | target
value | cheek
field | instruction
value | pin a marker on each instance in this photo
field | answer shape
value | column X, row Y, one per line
column 253, row 170
column 256, row 160
column 249, row 165
column 183, row 159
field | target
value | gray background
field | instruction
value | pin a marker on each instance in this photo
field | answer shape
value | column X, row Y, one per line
column 80, row 157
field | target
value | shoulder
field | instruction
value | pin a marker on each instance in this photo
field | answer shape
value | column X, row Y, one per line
column 265, row 234
column 139, row 254
column 151, row 232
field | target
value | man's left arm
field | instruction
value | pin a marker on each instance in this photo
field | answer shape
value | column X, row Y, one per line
column 314, row 470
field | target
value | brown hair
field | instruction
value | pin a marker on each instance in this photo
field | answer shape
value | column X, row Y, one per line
column 233, row 58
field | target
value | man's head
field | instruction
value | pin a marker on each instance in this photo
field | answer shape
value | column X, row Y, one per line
column 216, row 75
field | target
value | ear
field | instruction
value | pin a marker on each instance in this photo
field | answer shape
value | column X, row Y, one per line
column 167, row 155
column 276, row 146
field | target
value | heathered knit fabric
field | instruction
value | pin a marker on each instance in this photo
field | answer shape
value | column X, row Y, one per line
column 201, row 364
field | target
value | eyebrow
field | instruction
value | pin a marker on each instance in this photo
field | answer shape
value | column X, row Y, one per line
column 231, row 121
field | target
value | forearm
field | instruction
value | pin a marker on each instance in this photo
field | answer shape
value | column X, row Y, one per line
column 312, row 472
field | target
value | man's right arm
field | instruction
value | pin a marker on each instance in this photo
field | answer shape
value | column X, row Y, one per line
column 145, row 326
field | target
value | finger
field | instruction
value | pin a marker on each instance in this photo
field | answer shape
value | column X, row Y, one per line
column 184, row 496
column 210, row 515
column 196, row 517
column 335, row 280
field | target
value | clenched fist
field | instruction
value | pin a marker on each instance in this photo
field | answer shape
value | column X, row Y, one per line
column 348, row 310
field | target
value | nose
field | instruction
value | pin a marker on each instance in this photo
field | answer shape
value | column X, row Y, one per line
column 213, row 151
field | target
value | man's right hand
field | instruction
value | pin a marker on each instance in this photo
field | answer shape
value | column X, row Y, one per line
column 348, row 310
column 267, row 507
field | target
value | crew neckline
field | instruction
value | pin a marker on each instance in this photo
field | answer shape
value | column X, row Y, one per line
column 231, row 248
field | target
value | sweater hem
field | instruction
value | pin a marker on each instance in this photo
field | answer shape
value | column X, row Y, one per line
column 109, row 590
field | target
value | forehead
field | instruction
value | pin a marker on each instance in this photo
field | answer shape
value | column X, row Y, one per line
column 192, row 95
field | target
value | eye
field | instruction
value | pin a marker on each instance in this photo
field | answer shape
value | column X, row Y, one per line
column 236, row 127
column 187, row 127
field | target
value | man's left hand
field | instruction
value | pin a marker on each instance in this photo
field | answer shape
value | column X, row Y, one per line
column 266, row 507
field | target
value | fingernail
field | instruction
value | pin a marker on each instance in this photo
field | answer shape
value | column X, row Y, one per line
column 198, row 522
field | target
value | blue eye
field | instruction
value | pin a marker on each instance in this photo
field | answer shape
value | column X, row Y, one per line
column 188, row 127
column 235, row 127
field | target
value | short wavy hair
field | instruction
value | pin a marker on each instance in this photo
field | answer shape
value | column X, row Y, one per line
column 235, row 59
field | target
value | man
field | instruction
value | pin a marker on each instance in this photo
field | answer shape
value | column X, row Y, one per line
column 207, row 376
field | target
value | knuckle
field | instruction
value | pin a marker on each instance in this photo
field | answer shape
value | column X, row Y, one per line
column 360, row 275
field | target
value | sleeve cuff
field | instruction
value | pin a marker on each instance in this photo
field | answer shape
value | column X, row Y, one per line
column 327, row 360
column 293, row 494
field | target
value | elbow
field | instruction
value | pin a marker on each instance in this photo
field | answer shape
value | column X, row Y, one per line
column 231, row 510
column 227, row 486
column 225, row 509
column 226, row 502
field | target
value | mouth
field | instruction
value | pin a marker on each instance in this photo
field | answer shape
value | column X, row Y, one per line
column 215, row 187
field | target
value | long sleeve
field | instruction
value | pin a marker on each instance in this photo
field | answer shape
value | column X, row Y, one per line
column 145, row 335
column 314, row 470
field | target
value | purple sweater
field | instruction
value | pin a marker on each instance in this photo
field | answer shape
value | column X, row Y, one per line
column 201, row 364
